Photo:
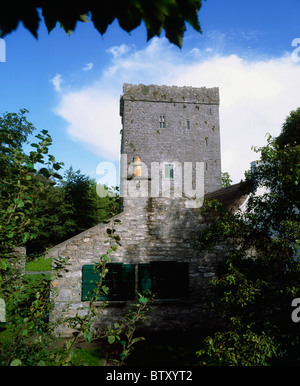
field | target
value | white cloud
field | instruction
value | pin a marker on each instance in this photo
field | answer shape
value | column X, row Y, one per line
column 88, row 67
column 255, row 97
column 57, row 81
column 93, row 119
column 118, row 51
column 154, row 64
column 195, row 52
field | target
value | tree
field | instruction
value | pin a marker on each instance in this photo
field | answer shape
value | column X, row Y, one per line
column 80, row 207
column 50, row 229
column 226, row 180
column 21, row 183
column 291, row 130
column 169, row 15
column 28, row 336
column 259, row 277
column 68, row 208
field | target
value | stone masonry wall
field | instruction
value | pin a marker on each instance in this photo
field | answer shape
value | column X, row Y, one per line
column 149, row 231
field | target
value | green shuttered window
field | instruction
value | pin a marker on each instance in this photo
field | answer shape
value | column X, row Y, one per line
column 166, row 280
column 120, row 280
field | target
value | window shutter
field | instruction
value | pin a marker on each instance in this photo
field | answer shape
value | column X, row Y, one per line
column 145, row 278
column 170, row 280
column 182, row 274
column 113, row 280
column 120, row 279
column 165, row 282
column 128, row 281
column 90, row 277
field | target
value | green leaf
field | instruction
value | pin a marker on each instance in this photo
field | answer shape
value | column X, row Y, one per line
column 88, row 336
column 25, row 237
column 3, row 264
column 30, row 165
column 30, row 19
column 143, row 300
column 135, row 340
column 111, row 339
column 16, row 362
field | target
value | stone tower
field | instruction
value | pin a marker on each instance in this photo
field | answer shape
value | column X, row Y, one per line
column 168, row 134
column 170, row 145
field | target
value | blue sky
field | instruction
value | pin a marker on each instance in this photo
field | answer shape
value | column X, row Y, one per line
column 71, row 84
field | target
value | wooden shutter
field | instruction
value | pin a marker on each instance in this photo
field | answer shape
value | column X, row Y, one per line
column 165, row 282
column 144, row 278
column 120, row 279
column 90, row 277
column 128, row 282
column 183, row 279
column 170, row 280
column 113, row 280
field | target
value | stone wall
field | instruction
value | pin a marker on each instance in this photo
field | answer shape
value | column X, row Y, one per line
column 151, row 229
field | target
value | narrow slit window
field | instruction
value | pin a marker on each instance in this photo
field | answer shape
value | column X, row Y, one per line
column 162, row 121
column 206, row 142
column 188, row 126
column 169, row 171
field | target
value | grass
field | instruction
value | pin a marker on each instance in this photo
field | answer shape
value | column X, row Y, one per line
column 166, row 348
column 39, row 264
column 88, row 357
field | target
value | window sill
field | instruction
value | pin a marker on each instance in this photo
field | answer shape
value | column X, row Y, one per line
column 112, row 303
column 157, row 302
column 170, row 302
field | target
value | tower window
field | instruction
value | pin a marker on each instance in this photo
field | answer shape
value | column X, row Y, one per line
column 162, row 121
column 188, row 124
column 169, row 171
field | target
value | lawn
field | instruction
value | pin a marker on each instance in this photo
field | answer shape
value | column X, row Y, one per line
column 39, row 264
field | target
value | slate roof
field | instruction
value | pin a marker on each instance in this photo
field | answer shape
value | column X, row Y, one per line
column 232, row 196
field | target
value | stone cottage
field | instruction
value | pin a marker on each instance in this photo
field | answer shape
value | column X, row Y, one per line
column 170, row 160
